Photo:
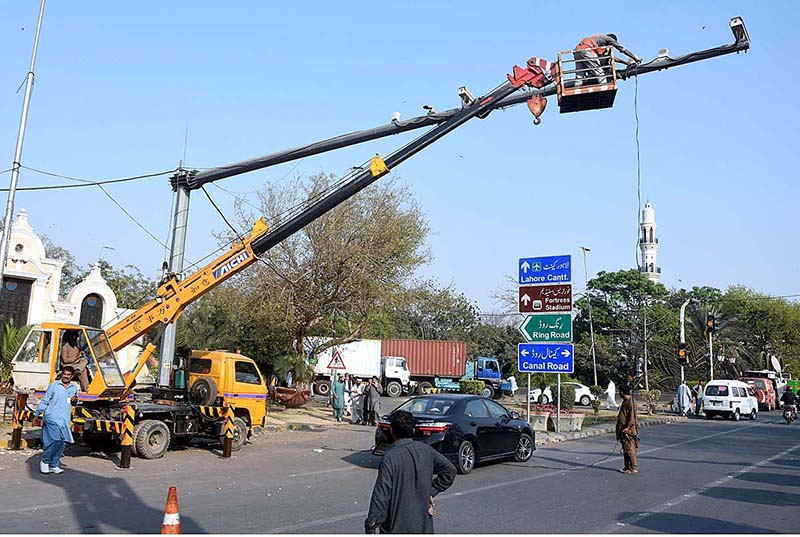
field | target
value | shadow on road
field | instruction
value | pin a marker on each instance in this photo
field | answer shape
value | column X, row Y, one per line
column 103, row 504
column 770, row 479
column 675, row 523
column 787, row 462
column 363, row 459
column 760, row 497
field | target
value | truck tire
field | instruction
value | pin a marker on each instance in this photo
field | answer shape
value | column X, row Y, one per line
column 488, row 391
column 424, row 387
column 394, row 389
column 204, row 391
column 239, row 434
column 151, row 438
column 323, row 387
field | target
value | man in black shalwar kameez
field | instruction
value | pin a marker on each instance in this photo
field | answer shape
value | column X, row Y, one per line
column 402, row 500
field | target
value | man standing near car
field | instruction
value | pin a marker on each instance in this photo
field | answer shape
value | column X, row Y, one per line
column 627, row 430
column 402, row 499
column 698, row 398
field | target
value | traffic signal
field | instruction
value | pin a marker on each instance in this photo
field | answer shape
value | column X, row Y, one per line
column 682, row 358
column 710, row 323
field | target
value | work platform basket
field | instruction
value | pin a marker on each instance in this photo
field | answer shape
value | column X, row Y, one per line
column 585, row 83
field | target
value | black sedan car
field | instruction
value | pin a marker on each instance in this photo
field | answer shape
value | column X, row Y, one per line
column 467, row 429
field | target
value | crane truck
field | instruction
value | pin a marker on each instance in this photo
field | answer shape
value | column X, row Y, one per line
column 171, row 414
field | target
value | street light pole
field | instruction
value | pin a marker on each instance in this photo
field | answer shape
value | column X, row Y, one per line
column 589, row 300
column 15, row 166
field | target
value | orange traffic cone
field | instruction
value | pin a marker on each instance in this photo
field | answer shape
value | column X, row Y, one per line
column 172, row 518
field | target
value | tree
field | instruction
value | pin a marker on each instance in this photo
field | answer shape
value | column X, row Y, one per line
column 71, row 273
column 331, row 277
column 130, row 286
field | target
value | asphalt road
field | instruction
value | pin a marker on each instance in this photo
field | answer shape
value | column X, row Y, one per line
column 696, row 476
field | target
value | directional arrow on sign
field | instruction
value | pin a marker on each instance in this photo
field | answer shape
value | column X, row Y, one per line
column 525, row 299
column 565, row 353
column 524, row 352
column 525, row 266
column 547, row 328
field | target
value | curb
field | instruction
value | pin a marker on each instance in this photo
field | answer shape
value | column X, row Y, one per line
column 552, row 438
column 27, row 443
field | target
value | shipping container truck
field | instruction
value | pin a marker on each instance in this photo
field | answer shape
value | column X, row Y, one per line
column 361, row 359
column 441, row 364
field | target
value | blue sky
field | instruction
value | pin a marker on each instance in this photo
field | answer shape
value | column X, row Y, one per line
column 118, row 84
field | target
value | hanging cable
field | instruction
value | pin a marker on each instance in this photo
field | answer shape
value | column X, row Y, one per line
column 221, row 214
column 84, row 182
column 129, row 215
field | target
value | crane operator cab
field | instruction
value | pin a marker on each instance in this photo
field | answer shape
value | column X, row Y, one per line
column 586, row 84
column 47, row 348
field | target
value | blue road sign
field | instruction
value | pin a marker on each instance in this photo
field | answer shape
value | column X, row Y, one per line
column 546, row 358
column 551, row 269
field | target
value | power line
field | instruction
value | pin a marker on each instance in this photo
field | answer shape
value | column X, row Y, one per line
column 84, row 182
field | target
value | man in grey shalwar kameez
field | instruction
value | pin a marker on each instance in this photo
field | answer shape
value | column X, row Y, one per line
column 55, row 409
column 402, row 500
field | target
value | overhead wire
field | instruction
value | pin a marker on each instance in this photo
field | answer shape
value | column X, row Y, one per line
column 84, row 182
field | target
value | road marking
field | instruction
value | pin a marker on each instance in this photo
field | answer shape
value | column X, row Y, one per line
column 317, row 472
column 680, row 499
column 311, row 523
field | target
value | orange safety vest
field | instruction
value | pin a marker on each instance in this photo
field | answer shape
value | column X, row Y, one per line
column 589, row 42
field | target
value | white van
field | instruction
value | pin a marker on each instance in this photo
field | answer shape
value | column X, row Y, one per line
column 730, row 398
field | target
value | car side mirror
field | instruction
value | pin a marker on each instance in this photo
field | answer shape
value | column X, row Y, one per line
column 515, row 415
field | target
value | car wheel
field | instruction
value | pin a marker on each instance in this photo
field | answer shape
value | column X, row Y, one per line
column 466, row 457
column 545, row 400
column 709, row 415
column 736, row 416
column 524, row 448
column 753, row 414
column 586, row 400
column 239, row 434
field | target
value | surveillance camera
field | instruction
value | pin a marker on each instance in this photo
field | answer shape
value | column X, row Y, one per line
column 429, row 108
column 395, row 117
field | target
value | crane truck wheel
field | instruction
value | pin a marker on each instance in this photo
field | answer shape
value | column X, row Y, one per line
column 239, row 434
column 488, row 391
column 322, row 387
column 204, row 391
column 394, row 389
column 151, row 438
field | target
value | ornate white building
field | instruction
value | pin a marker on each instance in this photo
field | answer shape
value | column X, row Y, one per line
column 648, row 244
column 31, row 289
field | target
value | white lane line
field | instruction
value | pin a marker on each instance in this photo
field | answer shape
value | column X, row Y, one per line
column 328, row 471
column 695, row 492
column 311, row 523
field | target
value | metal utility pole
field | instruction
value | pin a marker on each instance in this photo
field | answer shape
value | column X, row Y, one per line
column 589, row 300
column 177, row 251
column 711, row 354
column 683, row 333
column 12, row 190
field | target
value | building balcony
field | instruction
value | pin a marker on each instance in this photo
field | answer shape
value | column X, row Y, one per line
column 656, row 270
column 642, row 241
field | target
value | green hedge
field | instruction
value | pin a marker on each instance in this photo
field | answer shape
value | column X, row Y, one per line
column 472, row 387
column 567, row 396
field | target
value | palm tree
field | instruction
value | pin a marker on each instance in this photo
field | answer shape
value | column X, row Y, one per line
column 11, row 338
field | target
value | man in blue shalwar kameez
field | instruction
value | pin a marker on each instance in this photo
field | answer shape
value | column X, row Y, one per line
column 56, row 412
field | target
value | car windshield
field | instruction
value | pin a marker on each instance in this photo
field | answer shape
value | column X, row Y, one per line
column 428, row 405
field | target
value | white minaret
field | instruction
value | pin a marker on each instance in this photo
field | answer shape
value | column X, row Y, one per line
column 648, row 244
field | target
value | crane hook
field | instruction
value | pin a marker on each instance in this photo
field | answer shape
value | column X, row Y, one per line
column 537, row 105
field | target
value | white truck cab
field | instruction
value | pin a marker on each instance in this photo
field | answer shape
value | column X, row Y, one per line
column 730, row 398
column 395, row 375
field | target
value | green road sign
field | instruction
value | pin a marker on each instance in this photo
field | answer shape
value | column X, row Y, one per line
column 549, row 327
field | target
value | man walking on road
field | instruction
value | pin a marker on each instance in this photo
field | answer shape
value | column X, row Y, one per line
column 611, row 394
column 698, row 398
column 684, row 399
column 402, row 500
column 627, row 430
column 55, row 409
